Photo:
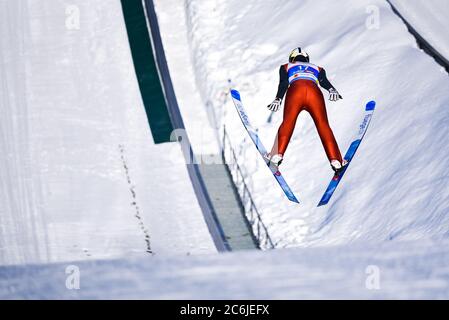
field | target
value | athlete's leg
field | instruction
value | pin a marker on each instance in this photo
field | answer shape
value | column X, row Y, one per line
column 317, row 109
column 292, row 108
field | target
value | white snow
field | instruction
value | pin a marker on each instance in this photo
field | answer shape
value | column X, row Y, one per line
column 396, row 187
column 69, row 100
column 394, row 270
column 172, row 23
column 429, row 19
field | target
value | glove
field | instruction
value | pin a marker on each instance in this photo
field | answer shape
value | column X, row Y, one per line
column 334, row 95
column 274, row 106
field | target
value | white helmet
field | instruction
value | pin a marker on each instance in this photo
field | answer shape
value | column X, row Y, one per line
column 298, row 55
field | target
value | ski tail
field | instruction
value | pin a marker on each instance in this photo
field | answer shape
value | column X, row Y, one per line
column 369, row 109
column 259, row 146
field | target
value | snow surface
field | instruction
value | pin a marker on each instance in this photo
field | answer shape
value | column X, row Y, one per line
column 69, row 99
column 429, row 19
column 172, row 24
column 72, row 119
column 394, row 270
column 396, row 187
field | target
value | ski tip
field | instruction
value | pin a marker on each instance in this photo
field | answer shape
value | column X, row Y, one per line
column 324, row 200
column 235, row 94
column 290, row 195
column 293, row 199
column 370, row 106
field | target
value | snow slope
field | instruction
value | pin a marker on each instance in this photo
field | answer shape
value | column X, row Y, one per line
column 69, row 102
column 73, row 130
column 429, row 19
column 396, row 187
column 394, row 270
column 172, row 24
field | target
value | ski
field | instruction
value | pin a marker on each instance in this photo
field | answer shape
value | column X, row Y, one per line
column 369, row 109
column 260, row 147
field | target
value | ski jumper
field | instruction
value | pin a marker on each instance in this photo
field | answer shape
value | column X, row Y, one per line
column 300, row 80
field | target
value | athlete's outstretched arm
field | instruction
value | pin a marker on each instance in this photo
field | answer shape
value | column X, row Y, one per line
column 283, row 83
column 325, row 83
column 282, row 89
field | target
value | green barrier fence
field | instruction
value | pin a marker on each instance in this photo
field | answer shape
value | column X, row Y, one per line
column 146, row 71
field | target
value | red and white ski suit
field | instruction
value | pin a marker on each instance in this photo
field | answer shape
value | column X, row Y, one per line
column 300, row 80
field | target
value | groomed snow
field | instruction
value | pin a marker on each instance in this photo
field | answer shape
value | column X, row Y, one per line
column 70, row 99
column 429, row 19
column 72, row 119
column 396, row 187
column 394, row 270
column 172, row 24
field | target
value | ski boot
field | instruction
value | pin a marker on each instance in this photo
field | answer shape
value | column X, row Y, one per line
column 337, row 166
column 273, row 161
